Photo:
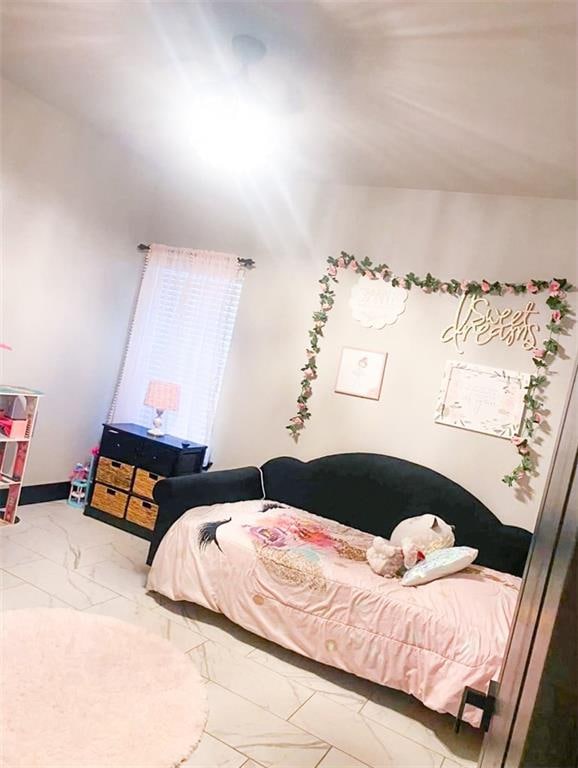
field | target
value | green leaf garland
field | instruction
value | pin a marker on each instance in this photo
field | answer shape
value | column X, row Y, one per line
column 542, row 356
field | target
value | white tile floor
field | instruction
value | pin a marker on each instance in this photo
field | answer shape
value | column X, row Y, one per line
column 267, row 706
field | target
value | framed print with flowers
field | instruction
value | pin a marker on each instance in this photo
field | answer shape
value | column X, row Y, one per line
column 360, row 373
column 482, row 399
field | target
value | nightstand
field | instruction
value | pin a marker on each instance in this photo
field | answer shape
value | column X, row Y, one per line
column 129, row 465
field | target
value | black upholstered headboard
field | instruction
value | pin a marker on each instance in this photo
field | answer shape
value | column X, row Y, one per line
column 374, row 493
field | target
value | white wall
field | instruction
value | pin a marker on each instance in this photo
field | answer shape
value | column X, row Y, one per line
column 451, row 235
column 75, row 205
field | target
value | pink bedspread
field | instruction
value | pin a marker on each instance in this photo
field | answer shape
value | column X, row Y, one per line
column 303, row 582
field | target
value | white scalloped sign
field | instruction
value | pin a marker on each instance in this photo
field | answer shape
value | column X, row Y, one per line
column 376, row 304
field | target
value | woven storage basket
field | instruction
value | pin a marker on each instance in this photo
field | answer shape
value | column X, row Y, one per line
column 144, row 483
column 109, row 500
column 114, row 473
column 142, row 512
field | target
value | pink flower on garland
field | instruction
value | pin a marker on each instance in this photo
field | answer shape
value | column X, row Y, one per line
column 301, row 406
column 310, row 374
column 521, row 444
column 485, row 286
column 310, row 354
column 537, row 417
column 556, row 316
column 341, row 262
column 404, row 283
column 509, row 289
column 464, row 285
column 531, row 287
column 538, row 354
column 444, row 287
column 331, row 270
column 353, row 264
column 554, row 288
column 297, row 421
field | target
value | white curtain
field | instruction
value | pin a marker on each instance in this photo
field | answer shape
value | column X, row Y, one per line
column 181, row 332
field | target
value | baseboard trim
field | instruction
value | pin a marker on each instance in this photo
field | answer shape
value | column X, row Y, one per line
column 37, row 494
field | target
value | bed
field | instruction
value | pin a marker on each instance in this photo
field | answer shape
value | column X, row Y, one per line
column 281, row 552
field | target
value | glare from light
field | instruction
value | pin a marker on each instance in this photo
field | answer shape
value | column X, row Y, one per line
column 236, row 134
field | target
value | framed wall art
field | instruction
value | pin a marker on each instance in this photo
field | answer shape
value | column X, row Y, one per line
column 360, row 373
column 482, row 399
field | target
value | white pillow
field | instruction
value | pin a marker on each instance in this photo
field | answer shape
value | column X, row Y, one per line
column 440, row 563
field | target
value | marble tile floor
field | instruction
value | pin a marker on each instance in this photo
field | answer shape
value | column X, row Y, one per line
column 268, row 707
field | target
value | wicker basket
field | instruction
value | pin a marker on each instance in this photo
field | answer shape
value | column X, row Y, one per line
column 114, row 473
column 142, row 512
column 109, row 500
column 144, row 483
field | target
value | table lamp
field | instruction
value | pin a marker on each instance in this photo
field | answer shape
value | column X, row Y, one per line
column 162, row 396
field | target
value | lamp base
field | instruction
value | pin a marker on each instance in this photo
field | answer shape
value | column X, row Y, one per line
column 157, row 427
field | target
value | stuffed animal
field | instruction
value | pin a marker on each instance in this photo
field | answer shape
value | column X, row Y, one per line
column 429, row 532
column 388, row 560
column 383, row 558
column 410, row 542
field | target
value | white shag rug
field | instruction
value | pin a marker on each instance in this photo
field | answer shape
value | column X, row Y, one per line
column 87, row 691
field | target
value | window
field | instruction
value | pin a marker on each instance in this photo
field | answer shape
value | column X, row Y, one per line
column 181, row 333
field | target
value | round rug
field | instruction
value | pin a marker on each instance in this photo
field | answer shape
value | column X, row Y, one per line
column 87, row 691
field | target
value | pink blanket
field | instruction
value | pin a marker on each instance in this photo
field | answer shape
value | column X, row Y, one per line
column 303, row 582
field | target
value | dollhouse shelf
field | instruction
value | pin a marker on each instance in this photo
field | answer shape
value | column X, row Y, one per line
column 6, row 481
column 18, row 409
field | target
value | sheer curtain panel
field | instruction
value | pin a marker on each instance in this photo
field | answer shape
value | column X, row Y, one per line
column 181, row 332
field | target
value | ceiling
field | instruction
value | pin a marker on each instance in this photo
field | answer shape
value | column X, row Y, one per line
column 462, row 96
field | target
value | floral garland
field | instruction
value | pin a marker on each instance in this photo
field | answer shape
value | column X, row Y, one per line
column 542, row 356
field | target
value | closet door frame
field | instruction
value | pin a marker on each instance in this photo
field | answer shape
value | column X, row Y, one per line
column 549, row 560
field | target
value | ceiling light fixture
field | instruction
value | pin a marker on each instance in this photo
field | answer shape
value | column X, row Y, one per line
column 232, row 129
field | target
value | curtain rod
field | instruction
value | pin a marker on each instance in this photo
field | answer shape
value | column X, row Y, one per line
column 245, row 263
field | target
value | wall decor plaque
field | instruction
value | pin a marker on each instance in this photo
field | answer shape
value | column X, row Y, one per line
column 482, row 399
column 360, row 373
column 475, row 317
column 375, row 303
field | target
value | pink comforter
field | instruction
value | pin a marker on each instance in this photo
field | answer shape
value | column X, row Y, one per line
column 303, row 582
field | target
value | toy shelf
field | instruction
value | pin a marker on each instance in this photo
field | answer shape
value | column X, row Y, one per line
column 6, row 481
column 18, row 410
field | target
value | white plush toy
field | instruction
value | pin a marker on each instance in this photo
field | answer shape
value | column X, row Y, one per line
column 410, row 542
column 387, row 560
column 429, row 532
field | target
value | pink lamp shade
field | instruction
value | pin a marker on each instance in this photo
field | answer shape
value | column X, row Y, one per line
column 163, row 395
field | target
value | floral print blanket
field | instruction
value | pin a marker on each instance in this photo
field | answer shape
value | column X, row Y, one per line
column 303, row 582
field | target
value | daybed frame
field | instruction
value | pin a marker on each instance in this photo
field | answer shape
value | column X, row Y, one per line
column 367, row 491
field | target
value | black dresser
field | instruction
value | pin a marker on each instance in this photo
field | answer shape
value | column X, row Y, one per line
column 129, row 464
